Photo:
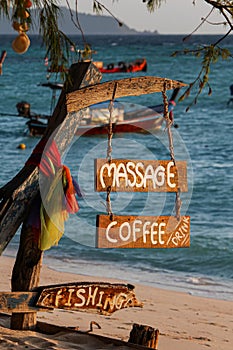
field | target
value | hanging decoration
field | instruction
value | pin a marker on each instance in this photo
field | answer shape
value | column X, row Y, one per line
column 21, row 23
column 109, row 149
column 124, row 175
column 48, row 215
column 169, row 122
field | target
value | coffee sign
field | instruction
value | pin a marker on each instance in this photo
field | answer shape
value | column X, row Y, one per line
column 142, row 232
column 123, row 175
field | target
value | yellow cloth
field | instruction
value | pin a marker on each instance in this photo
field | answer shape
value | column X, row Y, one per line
column 53, row 214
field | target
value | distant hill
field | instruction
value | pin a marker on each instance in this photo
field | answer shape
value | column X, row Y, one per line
column 91, row 24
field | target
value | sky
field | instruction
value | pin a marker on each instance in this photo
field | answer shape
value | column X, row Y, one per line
column 173, row 17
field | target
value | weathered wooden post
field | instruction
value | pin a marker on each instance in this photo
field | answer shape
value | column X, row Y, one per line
column 26, row 271
column 26, row 275
column 144, row 335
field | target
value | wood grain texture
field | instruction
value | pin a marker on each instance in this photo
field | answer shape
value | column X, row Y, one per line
column 142, row 232
column 103, row 298
column 17, row 195
column 125, row 87
column 125, row 175
column 144, row 335
column 19, row 302
column 95, row 297
column 26, row 274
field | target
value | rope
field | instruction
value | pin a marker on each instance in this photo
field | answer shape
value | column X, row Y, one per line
column 110, row 133
column 169, row 123
column 109, row 149
column 108, row 203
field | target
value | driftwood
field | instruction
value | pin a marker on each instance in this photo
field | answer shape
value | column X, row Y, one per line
column 26, row 271
column 17, row 195
column 94, row 297
column 26, row 275
column 51, row 329
column 144, row 335
column 45, row 328
column 124, row 87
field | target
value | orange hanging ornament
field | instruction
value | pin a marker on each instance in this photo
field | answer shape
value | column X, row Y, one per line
column 20, row 27
column 21, row 43
column 27, row 4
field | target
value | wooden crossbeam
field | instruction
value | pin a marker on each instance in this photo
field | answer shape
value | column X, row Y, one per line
column 125, row 87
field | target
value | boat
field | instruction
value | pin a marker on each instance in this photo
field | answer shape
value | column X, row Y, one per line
column 126, row 118
column 138, row 65
column 95, row 121
column 230, row 101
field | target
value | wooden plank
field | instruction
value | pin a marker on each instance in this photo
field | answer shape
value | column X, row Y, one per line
column 19, row 302
column 96, row 297
column 81, row 334
column 124, row 175
column 103, row 298
column 125, row 87
column 142, row 232
column 48, row 328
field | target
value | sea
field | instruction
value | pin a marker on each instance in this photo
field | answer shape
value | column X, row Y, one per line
column 202, row 138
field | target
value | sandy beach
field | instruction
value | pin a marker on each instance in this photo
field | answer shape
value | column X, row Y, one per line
column 184, row 321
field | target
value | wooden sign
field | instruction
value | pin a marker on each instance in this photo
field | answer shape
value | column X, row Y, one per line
column 123, row 175
column 100, row 297
column 18, row 302
column 142, row 232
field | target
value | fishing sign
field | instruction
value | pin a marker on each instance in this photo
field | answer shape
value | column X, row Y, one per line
column 95, row 297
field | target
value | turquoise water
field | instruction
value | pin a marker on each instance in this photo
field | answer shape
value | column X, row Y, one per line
column 204, row 139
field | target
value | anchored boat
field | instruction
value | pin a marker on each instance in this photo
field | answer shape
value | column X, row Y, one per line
column 138, row 65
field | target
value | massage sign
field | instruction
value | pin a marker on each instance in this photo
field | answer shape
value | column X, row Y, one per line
column 141, row 231
column 130, row 175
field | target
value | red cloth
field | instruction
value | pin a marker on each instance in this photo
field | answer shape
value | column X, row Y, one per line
column 40, row 155
column 71, row 202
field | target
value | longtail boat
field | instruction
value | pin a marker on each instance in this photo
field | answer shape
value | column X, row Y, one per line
column 127, row 118
column 138, row 65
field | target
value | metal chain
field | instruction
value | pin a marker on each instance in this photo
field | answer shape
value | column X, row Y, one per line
column 109, row 148
column 169, row 123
